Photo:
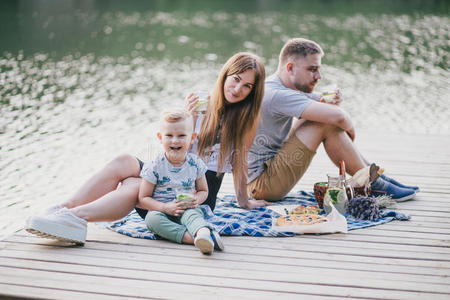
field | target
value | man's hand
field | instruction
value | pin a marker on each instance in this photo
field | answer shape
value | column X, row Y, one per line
column 335, row 100
column 338, row 97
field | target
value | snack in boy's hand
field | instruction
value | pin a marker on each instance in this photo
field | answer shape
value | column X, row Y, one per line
column 303, row 219
column 310, row 209
column 185, row 197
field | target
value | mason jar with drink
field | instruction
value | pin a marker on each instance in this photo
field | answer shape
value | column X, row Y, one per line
column 202, row 102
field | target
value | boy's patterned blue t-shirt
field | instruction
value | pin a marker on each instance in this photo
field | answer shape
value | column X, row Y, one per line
column 168, row 178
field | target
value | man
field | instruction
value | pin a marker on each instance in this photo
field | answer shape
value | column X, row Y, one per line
column 277, row 159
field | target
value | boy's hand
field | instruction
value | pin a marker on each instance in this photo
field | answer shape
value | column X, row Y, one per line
column 194, row 203
column 174, row 208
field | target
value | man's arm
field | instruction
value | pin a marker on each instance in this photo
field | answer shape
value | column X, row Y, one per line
column 329, row 114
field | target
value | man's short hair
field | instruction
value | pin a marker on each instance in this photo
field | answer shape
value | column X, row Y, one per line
column 298, row 46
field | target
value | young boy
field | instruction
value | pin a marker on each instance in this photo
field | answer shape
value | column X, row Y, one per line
column 169, row 216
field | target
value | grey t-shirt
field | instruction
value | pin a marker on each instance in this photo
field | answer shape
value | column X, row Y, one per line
column 280, row 104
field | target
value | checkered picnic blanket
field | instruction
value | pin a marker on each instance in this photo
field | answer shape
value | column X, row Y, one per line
column 229, row 219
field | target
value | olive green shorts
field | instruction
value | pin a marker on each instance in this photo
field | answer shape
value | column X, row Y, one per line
column 282, row 171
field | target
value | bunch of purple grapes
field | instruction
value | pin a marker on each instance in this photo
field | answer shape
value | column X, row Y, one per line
column 365, row 208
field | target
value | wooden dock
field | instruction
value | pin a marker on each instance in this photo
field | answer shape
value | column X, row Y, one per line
column 398, row 260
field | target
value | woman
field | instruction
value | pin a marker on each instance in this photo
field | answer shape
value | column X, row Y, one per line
column 225, row 134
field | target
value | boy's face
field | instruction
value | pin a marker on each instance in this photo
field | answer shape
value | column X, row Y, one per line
column 176, row 138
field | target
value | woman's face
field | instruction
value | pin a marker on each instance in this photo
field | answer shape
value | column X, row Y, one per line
column 238, row 86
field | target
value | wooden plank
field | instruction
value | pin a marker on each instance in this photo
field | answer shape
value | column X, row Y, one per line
column 288, row 255
column 383, row 239
column 416, row 225
column 417, row 229
column 260, row 252
column 223, row 262
column 381, row 231
column 224, row 287
column 19, row 290
column 123, row 287
column 373, row 247
column 35, row 260
column 99, row 235
column 160, row 247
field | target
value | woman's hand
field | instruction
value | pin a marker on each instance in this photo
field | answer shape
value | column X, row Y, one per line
column 252, row 203
column 191, row 103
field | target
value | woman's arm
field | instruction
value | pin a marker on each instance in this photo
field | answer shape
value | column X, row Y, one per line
column 240, row 180
column 191, row 106
column 147, row 202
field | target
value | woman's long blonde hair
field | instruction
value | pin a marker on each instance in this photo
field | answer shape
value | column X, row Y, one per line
column 235, row 119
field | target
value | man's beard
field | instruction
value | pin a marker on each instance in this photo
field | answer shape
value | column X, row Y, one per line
column 305, row 88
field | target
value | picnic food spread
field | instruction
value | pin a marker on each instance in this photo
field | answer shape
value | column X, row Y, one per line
column 302, row 215
column 301, row 219
column 310, row 209
column 306, row 218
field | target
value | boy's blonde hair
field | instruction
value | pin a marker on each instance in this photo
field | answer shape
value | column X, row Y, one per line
column 175, row 115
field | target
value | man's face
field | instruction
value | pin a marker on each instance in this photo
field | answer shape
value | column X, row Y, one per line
column 305, row 72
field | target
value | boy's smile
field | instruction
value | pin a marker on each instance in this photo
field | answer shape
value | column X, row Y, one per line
column 176, row 138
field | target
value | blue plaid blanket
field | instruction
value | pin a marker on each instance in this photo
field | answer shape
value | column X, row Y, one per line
column 229, row 219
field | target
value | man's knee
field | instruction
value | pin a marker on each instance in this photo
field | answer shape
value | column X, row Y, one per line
column 312, row 134
column 315, row 127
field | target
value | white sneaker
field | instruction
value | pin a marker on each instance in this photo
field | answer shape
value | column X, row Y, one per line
column 48, row 211
column 61, row 225
column 204, row 243
column 52, row 209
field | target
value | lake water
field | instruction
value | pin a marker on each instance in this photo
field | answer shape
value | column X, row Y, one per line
column 83, row 81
